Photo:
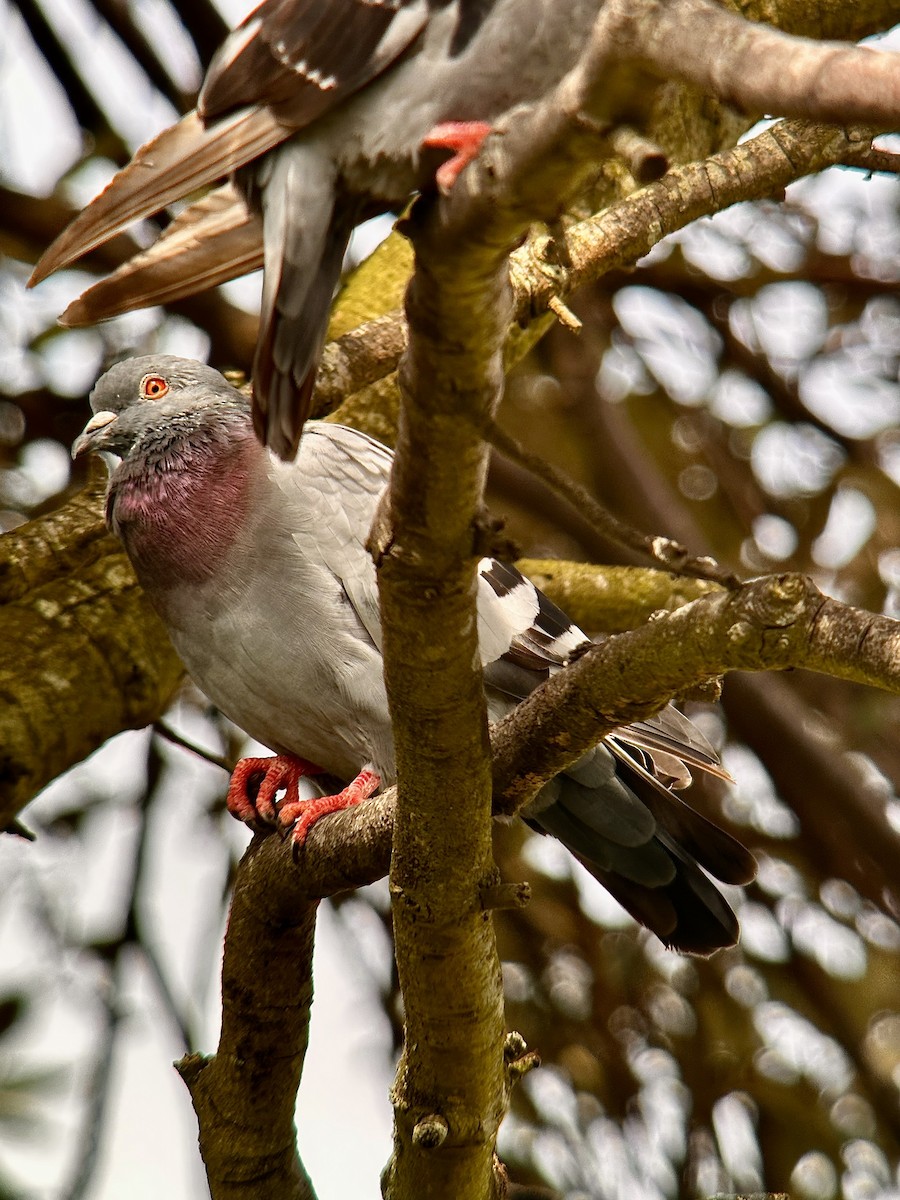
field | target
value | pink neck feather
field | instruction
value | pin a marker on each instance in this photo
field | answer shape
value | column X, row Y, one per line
column 180, row 516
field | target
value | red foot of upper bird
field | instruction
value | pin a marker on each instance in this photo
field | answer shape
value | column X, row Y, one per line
column 463, row 137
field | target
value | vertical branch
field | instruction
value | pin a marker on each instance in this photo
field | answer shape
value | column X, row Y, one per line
column 244, row 1096
column 450, row 1093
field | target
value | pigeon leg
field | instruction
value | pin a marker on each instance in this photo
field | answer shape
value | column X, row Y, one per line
column 255, row 782
column 464, row 138
column 297, row 817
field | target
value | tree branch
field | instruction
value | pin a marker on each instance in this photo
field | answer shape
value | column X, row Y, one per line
column 772, row 623
column 757, row 68
column 244, row 1097
column 81, row 627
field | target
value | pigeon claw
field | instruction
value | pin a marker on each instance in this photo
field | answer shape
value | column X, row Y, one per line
column 298, row 817
column 464, row 138
column 255, row 782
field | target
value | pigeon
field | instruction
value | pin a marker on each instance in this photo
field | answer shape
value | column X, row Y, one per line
column 329, row 112
column 259, row 570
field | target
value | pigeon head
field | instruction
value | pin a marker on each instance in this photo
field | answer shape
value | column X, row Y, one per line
column 180, row 493
column 146, row 405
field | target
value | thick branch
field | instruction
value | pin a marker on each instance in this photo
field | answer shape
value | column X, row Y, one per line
column 621, row 235
column 772, row 623
column 80, row 626
column 244, row 1097
column 452, row 1073
column 759, row 69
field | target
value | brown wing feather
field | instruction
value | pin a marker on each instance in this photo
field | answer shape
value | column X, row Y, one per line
column 717, row 851
column 182, row 158
column 211, row 241
column 302, row 57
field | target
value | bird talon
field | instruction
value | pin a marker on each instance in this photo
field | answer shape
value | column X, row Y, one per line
column 255, row 784
column 297, row 818
column 464, row 138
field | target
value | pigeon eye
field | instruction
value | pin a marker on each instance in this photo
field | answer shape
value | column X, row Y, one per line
column 153, row 387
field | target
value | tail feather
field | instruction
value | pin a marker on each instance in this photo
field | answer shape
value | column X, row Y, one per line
column 182, row 158
column 689, row 914
column 669, row 734
column 648, row 848
column 646, row 865
column 212, row 241
column 716, row 851
column 305, row 240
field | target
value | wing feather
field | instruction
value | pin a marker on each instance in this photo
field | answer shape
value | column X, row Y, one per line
column 213, row 240
column 301, row 58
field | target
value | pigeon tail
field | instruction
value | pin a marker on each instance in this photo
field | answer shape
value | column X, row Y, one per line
column 305, row 236
column 647, row 848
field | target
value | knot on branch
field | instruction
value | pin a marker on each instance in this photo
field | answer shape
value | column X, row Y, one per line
column 707, row 691
column 191, row 1066
column 514, row 1046
column 518, row 1058
column 489, row 539
column 430, row 1132
column 504, row 895
column 381, row 535
column 775, row 612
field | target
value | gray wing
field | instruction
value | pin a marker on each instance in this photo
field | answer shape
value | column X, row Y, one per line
column 333, row 490
column 301, row 58
column 331, row 493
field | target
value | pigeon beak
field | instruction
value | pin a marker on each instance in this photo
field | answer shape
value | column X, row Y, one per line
column 90, row 440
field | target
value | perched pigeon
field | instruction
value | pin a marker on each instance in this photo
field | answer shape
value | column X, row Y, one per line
column 260, row 572
column 364, row 98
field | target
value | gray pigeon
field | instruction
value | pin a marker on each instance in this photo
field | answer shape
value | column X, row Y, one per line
column 342, row 108
column 260, row 572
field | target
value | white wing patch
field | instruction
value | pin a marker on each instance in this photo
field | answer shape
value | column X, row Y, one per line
column 501, row 618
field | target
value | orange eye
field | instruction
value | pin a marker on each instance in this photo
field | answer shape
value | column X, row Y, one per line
column 153, row 387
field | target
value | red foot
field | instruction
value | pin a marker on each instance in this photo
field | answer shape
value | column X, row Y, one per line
column 299, row 816
column 462, row 137
column 255, row 782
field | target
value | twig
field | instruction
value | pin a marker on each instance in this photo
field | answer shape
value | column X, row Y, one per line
column 665, row 553
column 218, row 760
